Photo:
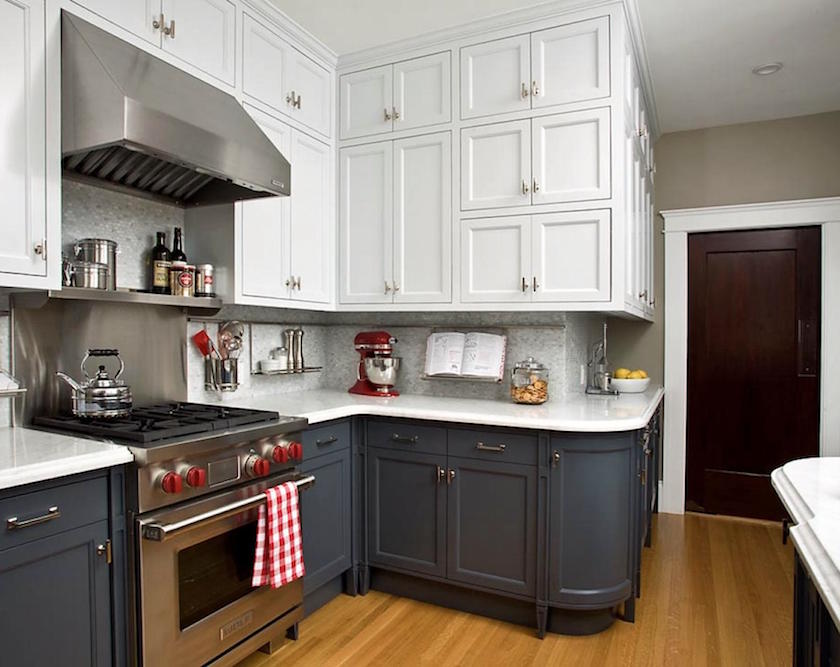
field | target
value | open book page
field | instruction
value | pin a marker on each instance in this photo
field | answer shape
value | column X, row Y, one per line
column 444, row 353
column 484, row 355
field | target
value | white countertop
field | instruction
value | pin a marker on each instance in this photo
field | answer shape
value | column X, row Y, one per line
column 592, row 414
column 28, row 456
column 810, row 491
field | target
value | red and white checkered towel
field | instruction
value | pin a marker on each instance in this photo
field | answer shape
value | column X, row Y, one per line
column 279, row 553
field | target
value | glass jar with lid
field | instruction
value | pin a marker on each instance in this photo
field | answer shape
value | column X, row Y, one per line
column 529, row 382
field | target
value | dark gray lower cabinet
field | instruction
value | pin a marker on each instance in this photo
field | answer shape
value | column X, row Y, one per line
column 816, row 639
column 492, row 525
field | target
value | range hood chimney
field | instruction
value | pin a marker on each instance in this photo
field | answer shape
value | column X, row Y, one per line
column 133, row 122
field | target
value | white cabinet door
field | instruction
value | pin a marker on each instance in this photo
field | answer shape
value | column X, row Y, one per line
column 572, row 156
column 265, row 65
column 202, row 34
column 22, row 141
column 367, row 102
column 310, row 228
column 571, row 256
column 312, row 87
column 495, row 77
column 366, row 224
column 571, row 63
column 496, row 165
column 423, row 219
column 631, row 214
column 422, row 91
column 264, row 229
column 496, row 259
column 136, row 16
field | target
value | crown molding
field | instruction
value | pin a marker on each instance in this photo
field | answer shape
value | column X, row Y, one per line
column 292, row 30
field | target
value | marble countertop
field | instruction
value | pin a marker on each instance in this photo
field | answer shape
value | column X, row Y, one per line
column 810, row 491
column 29, row 455
column 580, row 412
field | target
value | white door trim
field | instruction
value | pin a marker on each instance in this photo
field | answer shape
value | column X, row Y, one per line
column 678, row 224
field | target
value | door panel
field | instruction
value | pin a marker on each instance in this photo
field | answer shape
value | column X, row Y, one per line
column 496, row 259
column 312, row 85
column 422, row 91
column 367, row 102
column 136, row 16
column 204, row 35
column 495, row 77
column 423, row 219
column 754, row 340
column 496, row 165
column 265, row 65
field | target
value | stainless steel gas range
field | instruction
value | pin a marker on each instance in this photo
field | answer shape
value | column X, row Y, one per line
column 199, row 476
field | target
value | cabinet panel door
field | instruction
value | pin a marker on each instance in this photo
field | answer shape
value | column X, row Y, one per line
column 631, row 222
column 492, row 525
column 422, row 91
column 496, row 165
column 136, row 16
column 22, row 142
column 496, row 259
column 60, row 590
column 312, row 86
column 572, row 156
column 204, row 36
column 366, row 221
column 325, row 519
column 264, row 228
column 571, row 256
column 423, row 219
column 571, row 63
column 406, row 511
column 367, row 102
column 265, row 65
column 310, row 221
column 495, row 77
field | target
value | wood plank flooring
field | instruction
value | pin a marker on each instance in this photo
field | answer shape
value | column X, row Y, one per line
column 715, row 591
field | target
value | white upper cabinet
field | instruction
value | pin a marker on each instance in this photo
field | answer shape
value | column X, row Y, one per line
column 311, row 87
column 23, row 242
column 496, row 259
column 571, row 153
column 571, row 63
column 496, row 165
column 571, row 256
column 136, row 16
column 422, row 91
column 367, row 102
column 423, row 219
column 495, row 77
column 203, row 34
column 366, row 223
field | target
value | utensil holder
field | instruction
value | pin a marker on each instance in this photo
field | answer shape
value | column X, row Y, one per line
column 221, row 374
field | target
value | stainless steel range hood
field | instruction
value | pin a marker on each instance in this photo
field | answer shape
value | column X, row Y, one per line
column 132, row 121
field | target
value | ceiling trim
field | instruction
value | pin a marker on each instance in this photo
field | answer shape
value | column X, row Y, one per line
column 292, row 30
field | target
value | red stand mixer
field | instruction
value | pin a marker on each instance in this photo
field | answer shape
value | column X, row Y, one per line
column 377, row 372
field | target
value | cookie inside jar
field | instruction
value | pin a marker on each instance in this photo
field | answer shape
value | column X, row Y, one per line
column 529, row 382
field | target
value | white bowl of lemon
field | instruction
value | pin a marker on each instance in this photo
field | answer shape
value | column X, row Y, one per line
column 630, row 382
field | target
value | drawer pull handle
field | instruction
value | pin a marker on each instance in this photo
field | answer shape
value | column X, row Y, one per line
column 326, row 441
column 409, row 440
column 13, row 523
column 490, row 448
column 450, row 477
column 441, row 474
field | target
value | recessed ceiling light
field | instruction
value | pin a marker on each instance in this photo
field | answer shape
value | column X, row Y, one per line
column 766, row 69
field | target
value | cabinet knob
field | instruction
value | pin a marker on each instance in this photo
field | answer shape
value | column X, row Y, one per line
column 643, row 295
column 535, row 89
column 157, row 22
column 396, row 113
column 387, row 115
column 41, row 249
column 451, row 477
column 536, row 186
column 396, row 286
column 105, row 550
column 169, row 30
column 441, row 474
column 387, row 287
column 653, row 302
column 525, row 187
column 555, row 459
column 525, row 91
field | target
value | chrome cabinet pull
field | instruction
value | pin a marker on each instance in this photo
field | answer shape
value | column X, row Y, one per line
column 450, row 477
column 500, row 448
column 535, row 89
column 524, row 285
column 525, row 91
column 169, row 30
column 535, row 283
column 387, row 287
column 296, row 283
column 396, row 287
column 158, row 22
column 105, row 550
column 555, row 459
column 407, row 439
column 387, row 115
column 441, row 475
column 536, row 186
column 326, row 441
column 525, row 187
column 652, row 302
column 396, row 113
column 41, row 249
column 290, row 99
column 643, row 295
column 297, row 102
column 13, row 523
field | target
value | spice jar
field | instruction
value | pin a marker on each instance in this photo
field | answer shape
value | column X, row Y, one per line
column 529, row 382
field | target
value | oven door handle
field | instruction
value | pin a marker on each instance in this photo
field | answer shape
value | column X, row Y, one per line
column 160, row 532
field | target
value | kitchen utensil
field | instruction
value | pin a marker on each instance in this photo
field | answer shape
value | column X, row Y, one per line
column 204, row 280
column 628, row 386
column 90, row 274
column 382, row 371
column 66, row 271
column 99, row 397
column 99, row 251
column 529, row 382
column 221, row 374
column 375, row 374
column 230, row 339
column 205, row 344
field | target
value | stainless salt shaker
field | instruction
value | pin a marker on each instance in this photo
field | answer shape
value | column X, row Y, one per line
column 298, row 350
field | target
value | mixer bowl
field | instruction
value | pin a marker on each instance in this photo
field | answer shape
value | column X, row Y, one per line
column 382, row 371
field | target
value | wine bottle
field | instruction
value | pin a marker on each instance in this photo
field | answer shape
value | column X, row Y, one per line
column 161, row 261
column 178, row 247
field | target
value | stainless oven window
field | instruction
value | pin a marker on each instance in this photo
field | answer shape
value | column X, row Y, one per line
column 215, row 572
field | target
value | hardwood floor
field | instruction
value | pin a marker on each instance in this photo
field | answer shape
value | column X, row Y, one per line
column 715, row 591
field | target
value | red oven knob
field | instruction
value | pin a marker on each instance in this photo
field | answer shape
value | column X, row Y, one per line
column 280, row 454
column 171, row 482
column 196, row 477
column 296, row 451
column 257, row 466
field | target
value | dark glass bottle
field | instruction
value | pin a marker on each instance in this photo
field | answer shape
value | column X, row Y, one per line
column 178, row 247
column 161, row 261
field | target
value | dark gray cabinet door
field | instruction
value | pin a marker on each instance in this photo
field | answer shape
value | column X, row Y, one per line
column 406, row 510
column 593, row 504
column 57, row 601
column 492, row 524
column 325, row 518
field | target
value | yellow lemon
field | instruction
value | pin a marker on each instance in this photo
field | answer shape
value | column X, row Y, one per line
column 642, row 373
column 622, row 373
column 635, row 375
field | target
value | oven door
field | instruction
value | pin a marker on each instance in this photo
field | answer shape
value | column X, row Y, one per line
column 196, row 564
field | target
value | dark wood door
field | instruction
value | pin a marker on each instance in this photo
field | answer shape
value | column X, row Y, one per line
column 753, row 365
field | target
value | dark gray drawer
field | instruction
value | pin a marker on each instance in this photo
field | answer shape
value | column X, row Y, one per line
column 494, row 445
column 325, row 439
column 78, row 503
column 407, row 436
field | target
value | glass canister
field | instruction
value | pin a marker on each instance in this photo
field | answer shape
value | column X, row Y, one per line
column 529, row 382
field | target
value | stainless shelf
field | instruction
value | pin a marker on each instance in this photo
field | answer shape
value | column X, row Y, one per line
column 15, row 394
column 466, row 378
column 308, row 369
column 194, row 304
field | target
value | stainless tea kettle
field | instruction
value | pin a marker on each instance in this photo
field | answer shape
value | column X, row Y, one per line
column 100, row 397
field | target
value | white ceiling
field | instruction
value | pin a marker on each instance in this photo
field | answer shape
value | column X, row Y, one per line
column 700, row 52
